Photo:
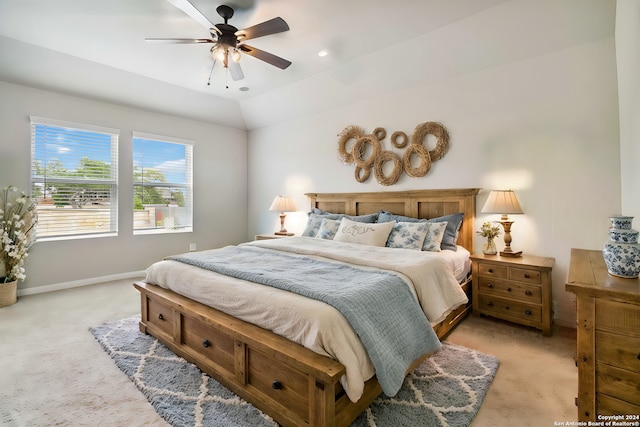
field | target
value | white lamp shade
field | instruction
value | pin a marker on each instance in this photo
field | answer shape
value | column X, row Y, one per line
column 502, row 202
column 282, row 204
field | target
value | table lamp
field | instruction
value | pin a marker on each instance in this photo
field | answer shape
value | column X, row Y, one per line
column 282, row 204
column 504, row 202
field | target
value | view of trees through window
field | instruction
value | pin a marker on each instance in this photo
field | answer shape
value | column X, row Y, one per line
column 74, row 178
column 162, row 178
column 62, row 190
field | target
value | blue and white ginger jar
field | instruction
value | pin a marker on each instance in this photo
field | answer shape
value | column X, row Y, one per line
column 622, row 251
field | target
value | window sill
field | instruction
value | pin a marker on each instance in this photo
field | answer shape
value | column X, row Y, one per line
column 163, row 231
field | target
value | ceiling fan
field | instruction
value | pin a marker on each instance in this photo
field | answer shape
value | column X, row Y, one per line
column 228, row 42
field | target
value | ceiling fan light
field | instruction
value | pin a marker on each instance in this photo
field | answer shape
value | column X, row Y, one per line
column 218, row 52
column 235, row 56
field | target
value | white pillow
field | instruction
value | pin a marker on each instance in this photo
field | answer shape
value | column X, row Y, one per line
column 408, row 235
column 435, row 234
column 375, row 234
column 328, row 228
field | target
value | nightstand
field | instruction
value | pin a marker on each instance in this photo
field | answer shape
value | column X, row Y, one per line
column 269, row 236
column 513, row 289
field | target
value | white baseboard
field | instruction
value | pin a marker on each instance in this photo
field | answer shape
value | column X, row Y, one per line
column 77, row 283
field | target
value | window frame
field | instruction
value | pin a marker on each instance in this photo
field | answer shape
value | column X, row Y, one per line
column 187, row 185
column 112, row 182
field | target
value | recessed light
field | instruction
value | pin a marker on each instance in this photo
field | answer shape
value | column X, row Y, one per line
column 323, row 53
column 243, row 89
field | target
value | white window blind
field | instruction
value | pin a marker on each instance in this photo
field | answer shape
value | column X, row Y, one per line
column 162, row 184
column 74, row 179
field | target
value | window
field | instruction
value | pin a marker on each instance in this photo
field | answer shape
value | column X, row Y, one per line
column 74, row 179
column 162, row 184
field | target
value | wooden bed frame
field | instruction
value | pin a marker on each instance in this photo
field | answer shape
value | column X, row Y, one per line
column 289, row 382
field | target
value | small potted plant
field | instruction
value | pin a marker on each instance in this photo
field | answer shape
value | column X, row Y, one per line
column 18, row 217
column 490, row 231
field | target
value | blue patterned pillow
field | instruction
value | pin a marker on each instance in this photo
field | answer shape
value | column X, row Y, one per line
column 435, row 233
column 328, row 228
column 408, row 235
column 450, row 238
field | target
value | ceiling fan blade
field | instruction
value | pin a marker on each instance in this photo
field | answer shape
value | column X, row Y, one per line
column 235, row 71
column 272, row 26
column 265, row 56
column 178, row 41
column 187, row 7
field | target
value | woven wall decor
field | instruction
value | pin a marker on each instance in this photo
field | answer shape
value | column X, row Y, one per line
column 353, row 142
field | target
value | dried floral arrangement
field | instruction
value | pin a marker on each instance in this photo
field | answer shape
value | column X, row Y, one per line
column 18, row 217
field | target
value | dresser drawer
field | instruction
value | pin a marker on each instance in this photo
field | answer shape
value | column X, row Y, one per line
column 491, row 270
column 505, row 308
column 209, row 342
column 497, row 287
column 160, row 316
column 617, row 350
column 617, row 317
column 608, row 405
column 525, row 275
column 618, row 383
column 279, row 382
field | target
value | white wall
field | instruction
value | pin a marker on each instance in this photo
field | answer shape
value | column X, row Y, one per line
column 628, row 56
column 220, row 182
column 545, row 126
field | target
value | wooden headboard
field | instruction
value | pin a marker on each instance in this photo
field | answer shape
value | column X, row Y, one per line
column 415, row 203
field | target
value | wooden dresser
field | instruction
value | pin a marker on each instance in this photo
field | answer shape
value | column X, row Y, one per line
column 513, row 289
column 608, row 357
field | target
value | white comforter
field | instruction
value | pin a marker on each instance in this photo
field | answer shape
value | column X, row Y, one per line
column 311, row 323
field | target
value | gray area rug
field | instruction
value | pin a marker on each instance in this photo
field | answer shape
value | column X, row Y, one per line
column 447, row 389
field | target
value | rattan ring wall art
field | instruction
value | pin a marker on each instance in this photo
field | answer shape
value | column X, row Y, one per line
column 364, row 150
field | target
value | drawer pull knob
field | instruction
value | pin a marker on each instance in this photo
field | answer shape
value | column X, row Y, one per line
column 206, row 343
column 490, row 304
column 489, row 285
column 276, row 385
column 490, row 270
column 526, row 275
column 160, row 316
column 508, row 289
column 528, row 293
column 507, row 307
column 639, row 357
column 527, row 312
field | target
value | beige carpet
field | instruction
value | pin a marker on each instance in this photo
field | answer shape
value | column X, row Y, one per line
column 53, row 372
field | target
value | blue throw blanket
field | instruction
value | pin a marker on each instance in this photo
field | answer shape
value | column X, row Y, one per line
column 378, row 304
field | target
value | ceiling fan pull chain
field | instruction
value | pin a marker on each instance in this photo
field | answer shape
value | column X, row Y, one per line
column 209, row 81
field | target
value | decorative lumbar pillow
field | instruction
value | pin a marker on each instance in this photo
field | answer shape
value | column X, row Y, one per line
column 316, row 216
column 328, row 228
column 435, row 233
column 408, row 235
column 363, row 233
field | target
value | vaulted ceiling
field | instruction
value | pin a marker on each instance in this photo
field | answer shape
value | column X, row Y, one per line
column 96, row 49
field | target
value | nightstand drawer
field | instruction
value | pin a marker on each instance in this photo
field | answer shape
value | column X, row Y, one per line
column 506, row 289
column 491, row 270
column 505, row 308
column 524, row 275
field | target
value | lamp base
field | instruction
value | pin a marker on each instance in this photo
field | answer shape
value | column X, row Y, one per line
column 283, row 233
column 511, row 254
